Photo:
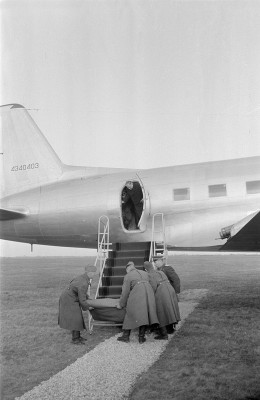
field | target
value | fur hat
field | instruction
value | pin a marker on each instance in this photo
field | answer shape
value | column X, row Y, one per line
column 129, row 264
column 158, row 257
column 148, row 266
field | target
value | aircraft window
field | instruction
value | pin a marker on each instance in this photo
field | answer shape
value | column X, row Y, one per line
column 217, row 190
column 253, row 187
column 181, row 194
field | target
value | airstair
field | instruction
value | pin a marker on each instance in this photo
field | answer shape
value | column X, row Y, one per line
column 158, row 242
column 112, row 259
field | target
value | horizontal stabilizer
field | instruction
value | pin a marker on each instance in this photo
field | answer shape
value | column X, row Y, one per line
column 12, row 214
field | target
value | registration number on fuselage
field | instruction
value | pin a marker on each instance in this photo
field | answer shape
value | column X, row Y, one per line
column 24, row 167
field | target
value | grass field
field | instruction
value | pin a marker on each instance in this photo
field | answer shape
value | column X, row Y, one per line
column 215, row 355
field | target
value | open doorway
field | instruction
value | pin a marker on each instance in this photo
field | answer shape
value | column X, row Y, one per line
column 132, row 205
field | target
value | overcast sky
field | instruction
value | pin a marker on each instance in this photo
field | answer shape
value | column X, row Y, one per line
column 135, row 84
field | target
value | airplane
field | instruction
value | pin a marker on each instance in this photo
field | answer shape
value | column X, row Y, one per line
column 203, row 206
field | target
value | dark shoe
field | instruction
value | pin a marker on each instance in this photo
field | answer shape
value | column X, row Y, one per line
column 77, row 341
column 153, row 330
column 123, row 339
column 82, row 339
column 161, row 337
column 142, row 339
column 125, row 336
column 170, row 329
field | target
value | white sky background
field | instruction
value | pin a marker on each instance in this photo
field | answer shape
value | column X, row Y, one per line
column 135, row 84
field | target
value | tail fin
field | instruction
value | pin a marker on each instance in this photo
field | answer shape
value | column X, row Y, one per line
column 28, row 160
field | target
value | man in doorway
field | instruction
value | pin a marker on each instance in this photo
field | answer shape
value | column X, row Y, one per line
column 133, row 191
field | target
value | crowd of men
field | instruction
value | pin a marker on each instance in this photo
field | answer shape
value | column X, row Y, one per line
column 149, row 298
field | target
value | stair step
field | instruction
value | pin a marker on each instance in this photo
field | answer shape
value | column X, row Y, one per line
column 129, row 253
column 121, row 262
column 107, row 291
column 112, row 280
column 132, row 246
column 117, row 271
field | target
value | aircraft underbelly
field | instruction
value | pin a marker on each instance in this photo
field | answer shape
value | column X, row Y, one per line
column 25, row 228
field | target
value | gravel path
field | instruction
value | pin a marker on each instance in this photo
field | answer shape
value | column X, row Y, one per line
column 111, row 368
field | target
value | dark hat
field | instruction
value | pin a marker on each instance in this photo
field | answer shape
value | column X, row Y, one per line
column 148, row 266
column 129, row 264
column 158, row 257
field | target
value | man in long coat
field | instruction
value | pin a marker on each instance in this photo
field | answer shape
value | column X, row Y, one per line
column 138, row 298
column 165, row 298
column 72, row 301
column 160, row 265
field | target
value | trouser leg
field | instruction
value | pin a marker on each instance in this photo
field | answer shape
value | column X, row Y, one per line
column 75, row 335
column 141, row 335
column 125, row 336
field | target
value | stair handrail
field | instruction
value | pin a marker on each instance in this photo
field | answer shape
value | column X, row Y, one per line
column 102, row 255
column 154, row 249
column 103, row 247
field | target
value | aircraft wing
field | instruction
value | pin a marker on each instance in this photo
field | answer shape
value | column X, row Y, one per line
column 6, row 214
column 247, row 237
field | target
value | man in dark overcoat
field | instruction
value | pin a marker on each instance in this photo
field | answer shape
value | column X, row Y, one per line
column 133, row 191
column 138, row 298
column 160, row 265
column 71, row 303
column 166, row 300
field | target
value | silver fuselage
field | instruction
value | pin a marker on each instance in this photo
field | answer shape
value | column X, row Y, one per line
column 66, row 212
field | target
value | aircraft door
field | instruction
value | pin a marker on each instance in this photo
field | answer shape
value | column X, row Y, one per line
column 146, row 206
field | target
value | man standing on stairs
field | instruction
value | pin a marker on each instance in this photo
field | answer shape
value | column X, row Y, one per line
column 138, row 298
